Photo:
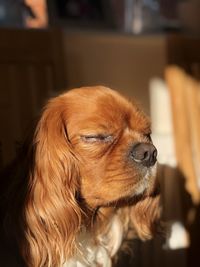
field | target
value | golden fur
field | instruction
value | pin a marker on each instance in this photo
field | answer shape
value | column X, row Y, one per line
column 78, row 176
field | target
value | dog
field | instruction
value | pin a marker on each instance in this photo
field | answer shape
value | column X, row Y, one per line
column 84, row 184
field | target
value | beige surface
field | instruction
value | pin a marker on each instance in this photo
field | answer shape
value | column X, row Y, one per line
column 123, row 62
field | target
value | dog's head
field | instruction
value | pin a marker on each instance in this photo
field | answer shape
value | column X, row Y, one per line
column 110, row 138
column 92, row 149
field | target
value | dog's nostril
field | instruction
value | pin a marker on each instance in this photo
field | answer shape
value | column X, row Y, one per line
column 144, row 154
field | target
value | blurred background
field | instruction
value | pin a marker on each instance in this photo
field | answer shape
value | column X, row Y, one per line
column 146, row 49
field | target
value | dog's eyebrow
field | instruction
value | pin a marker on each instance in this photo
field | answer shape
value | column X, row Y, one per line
column 96, row 129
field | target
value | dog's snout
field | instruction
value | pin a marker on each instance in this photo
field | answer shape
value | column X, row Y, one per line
column 144, row 153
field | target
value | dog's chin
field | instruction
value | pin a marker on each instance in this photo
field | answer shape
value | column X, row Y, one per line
column 137, row 193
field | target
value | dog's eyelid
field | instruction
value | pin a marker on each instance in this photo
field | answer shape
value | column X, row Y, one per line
column 91, row 138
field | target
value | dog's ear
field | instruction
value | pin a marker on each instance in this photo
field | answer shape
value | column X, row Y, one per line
column 53, row 216
column 145, row 217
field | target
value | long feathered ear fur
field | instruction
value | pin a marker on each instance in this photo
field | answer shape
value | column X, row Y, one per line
column 52, row 214
column 146, row 216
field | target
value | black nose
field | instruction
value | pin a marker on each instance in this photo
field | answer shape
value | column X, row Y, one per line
column 144, row 154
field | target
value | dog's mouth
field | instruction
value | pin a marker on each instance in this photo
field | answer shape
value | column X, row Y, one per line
column 146, row 185
column 150, row 188
column 133, row 199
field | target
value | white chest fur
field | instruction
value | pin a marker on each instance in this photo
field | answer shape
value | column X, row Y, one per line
column 95, row 255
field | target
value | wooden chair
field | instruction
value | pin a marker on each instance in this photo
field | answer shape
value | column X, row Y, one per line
column 185, row 99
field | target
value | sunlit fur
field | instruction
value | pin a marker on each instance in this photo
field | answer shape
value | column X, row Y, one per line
column 79, row 186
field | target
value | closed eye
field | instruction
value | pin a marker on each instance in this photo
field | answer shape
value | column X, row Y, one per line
column 93, row 138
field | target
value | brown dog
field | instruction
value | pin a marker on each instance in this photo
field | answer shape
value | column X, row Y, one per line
column 88, row 179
